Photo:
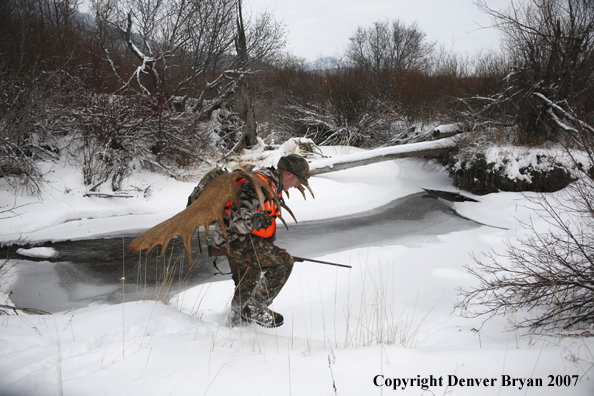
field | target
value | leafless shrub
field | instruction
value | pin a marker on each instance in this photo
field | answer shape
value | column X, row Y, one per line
column 41, row 42
column 325, row 126
column 548, row 273
column 116, row 134
column 342, row 112
column 31, row 120
column 112, row 132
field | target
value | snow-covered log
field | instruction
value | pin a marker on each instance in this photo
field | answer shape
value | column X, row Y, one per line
column 382, row 154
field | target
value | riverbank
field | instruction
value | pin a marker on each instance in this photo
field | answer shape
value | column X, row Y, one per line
column 389, row 317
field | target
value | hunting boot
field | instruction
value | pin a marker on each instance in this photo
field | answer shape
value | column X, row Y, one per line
column 256, row 309
column 261, row 315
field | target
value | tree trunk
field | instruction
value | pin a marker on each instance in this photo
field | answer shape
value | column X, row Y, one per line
column 246, row 112
column 245, row 107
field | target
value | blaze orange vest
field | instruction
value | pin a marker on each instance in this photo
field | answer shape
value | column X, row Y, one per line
column 268, row 205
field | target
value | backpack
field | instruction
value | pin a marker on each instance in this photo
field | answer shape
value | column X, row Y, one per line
column 210, row 176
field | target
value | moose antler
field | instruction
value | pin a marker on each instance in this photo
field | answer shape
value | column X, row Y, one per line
column 300, row 188
column 206, row 209
column 302, row 191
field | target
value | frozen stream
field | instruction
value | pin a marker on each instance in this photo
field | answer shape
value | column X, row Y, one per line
column 89, row 271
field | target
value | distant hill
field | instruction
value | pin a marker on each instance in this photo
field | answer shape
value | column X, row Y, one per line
column 326, row 64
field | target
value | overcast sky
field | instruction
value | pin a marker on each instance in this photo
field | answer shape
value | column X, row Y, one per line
column 319, row 28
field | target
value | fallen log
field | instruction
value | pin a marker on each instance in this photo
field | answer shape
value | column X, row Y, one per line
column 421, row 149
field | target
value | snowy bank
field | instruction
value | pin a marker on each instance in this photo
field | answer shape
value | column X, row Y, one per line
column 386, row 326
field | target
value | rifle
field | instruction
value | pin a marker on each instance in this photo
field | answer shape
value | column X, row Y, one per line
column 215, row 252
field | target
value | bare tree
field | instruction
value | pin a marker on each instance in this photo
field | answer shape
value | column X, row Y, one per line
column 245, row 107
column 550, row 44
column 265, row 39
column 177, row 44
column 388, row 46
column 185, row 59
column 392, row 55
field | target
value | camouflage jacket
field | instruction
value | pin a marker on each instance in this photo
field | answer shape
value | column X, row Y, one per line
column 239, row 226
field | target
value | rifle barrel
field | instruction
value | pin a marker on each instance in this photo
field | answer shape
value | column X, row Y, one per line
column 213, row 252
column 296, row 258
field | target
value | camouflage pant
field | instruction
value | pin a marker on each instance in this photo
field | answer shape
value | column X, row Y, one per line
column 248, row 259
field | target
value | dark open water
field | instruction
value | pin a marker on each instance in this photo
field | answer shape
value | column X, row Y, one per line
column 89, row 271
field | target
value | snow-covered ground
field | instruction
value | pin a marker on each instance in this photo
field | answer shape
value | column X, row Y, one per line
column 386, row 326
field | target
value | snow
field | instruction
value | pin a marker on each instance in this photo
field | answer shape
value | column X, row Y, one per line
column 382, row 152
column 510, row 160
column 38, row 252
column 386, row 326
column 448, row 128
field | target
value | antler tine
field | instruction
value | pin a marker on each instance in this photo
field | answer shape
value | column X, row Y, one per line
column 283, row 220
column 284, row 205
column 302, row 190
column 310, row 191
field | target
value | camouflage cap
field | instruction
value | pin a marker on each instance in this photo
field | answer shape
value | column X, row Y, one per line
column 297, row 165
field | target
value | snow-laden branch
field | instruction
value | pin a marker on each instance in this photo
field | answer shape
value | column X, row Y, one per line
column 555, row 106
